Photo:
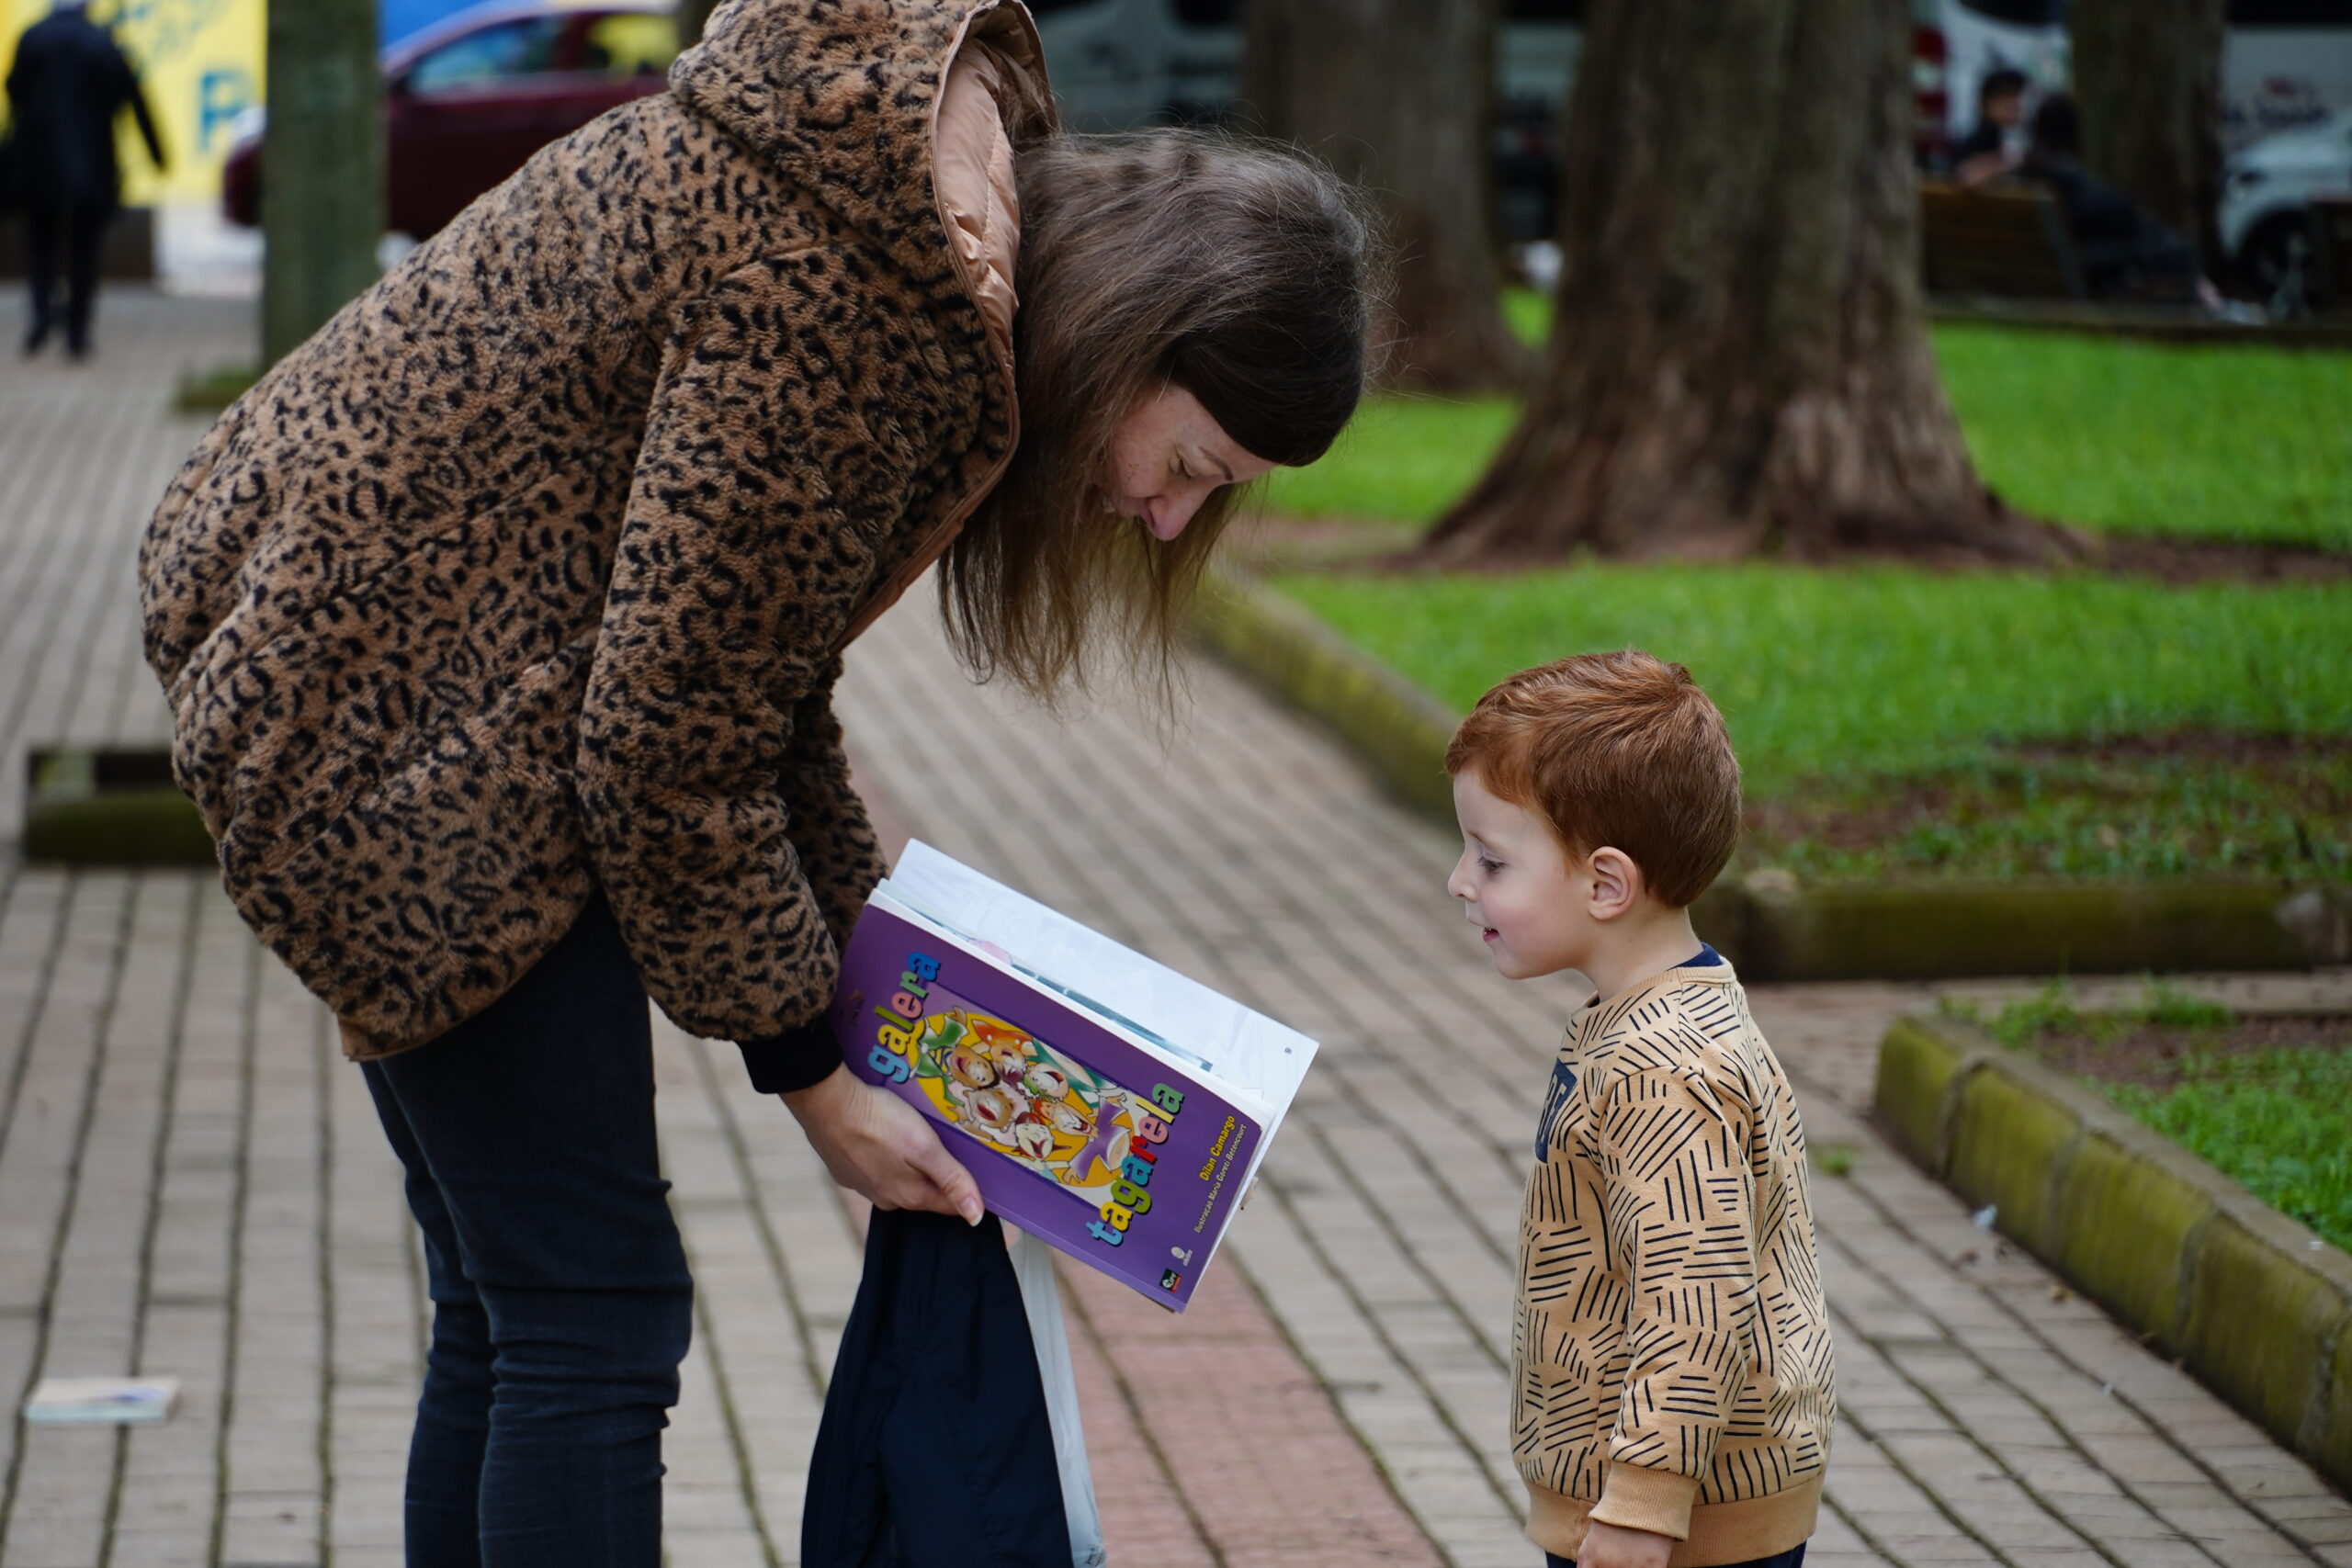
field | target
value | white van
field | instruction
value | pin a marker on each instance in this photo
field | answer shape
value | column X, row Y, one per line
column 2288, row 67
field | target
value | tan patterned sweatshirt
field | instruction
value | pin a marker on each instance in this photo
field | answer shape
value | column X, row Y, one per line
column 1672, row 1355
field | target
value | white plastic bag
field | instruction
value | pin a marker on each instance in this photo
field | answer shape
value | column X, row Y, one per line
column 1041, row 1300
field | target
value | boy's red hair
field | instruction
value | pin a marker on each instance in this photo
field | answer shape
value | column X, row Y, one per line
column 1615, row 749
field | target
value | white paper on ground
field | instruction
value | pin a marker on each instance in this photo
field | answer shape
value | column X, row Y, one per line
column 63, row 1400
column 1041, row 1300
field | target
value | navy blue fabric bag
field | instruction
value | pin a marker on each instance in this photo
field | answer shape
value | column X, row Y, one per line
column 935, row 1450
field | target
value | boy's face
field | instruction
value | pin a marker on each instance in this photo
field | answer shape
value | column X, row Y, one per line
column 1529, row 897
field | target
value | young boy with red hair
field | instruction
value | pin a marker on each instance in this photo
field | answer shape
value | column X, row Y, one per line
column 1671, row 1368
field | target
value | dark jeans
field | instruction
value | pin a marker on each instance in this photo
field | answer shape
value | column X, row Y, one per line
column 71, row 235
column 1793, row 1558
column 561, row 1305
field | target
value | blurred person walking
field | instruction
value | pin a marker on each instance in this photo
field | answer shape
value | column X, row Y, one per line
column 501, row 621
column 69, row 83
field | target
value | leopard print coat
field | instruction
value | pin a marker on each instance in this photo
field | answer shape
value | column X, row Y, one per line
column 529, row 574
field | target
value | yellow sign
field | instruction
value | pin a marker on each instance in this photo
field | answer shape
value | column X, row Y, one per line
column 200, row 62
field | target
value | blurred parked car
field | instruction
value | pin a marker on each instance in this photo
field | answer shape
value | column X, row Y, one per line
column 466, row 100
column 2267, row 192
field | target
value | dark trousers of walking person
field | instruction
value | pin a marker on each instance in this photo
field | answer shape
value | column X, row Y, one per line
column 66, row 237
column 561, row 1305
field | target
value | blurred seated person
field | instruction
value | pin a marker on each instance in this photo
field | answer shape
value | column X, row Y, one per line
column 2123, row 250
column 1997, row 143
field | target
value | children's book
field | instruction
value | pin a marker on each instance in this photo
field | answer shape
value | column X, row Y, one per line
column 1103, row 1101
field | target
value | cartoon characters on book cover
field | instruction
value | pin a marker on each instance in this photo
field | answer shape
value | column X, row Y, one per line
column 1011, row 1090
column 1106, row 1143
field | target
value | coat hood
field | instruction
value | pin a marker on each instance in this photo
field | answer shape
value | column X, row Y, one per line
column 842, row 96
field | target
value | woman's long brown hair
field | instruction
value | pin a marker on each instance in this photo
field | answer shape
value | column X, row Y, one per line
column 1239, row 271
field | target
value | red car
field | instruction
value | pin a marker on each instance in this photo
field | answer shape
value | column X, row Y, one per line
column 466, row 100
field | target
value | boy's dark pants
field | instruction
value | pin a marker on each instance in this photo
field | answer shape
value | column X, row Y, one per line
column 1793, row 1558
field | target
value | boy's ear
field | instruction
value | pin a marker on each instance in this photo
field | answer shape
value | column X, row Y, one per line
column 1616, row 881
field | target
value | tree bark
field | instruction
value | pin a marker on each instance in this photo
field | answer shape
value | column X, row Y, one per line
column 1398, row 96
column 692, row 16
column 1740, row 363
column 322, row 157
column 2148, row 81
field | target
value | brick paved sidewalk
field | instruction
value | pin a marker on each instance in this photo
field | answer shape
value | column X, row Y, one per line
column 1991, row 1416
column 190, row 1184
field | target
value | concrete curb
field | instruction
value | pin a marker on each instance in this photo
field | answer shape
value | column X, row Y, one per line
column 1397, row 728
column 1890, row 931
column 2154, row 323
column 107, row 806
column 2255, row 1305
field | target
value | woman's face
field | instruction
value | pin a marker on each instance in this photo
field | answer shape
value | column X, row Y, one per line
column 1166, row 459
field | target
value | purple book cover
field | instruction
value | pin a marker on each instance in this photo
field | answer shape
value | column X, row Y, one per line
column 1074, row 1133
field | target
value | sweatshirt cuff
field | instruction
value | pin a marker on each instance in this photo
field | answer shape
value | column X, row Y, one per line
column 800, row 1057
column 1655, row 1500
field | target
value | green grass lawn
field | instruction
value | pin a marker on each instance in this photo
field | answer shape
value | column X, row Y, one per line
column 2226, row 443
column 2276, row 1118
column 1901, row 722
column 1403, row 460
column 2280, row 1122
column 1850, row 691
column 2244, row 444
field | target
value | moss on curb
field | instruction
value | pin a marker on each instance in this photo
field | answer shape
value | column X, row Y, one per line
column 2331, row 1438
column 1892, row 930
column 2114, row 1211
column 2011, row 1148
column 2255, row 1305
column 1897, row 931
column 1397, row 728
column 1916, row 1070
column 205, row 393
column 145, row 827
column 111, row 806
column 2261, row 1322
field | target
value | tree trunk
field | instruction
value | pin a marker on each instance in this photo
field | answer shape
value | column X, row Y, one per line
column 2148, row 81
column 1740, row 363
column 692, row 15
column 322, row 159
column 1398, row 95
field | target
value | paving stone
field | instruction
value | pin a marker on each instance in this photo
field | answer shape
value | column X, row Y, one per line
column 191, row 1181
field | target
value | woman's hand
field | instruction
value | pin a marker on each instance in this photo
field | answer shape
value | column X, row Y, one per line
column 1615, row 1546
column 876, row 1145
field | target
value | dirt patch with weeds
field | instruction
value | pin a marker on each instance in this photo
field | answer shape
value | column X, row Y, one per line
column 2159, row 1056
column 2168, row 805
column 2212, row 561
column 1274, row 542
